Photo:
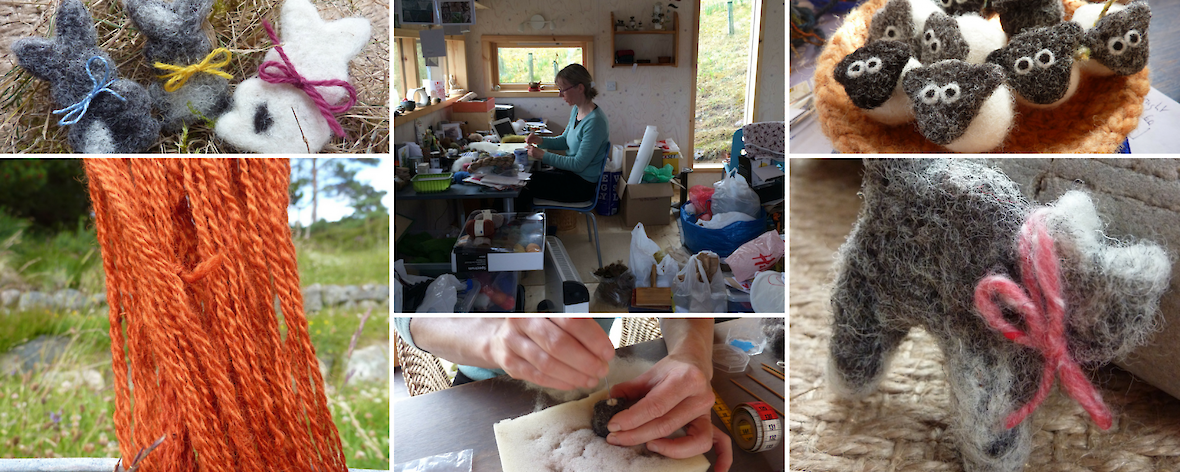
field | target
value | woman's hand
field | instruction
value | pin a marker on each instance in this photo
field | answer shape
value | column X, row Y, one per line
column 562, row 353
column 533, row 139
column 535, row 153
column 674, row 393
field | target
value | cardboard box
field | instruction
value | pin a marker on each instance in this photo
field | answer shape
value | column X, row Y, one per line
column 501, row 256
column 630, row 153
column 477, row 121
column 660, row 156
column 474, row 106
column 649, row 204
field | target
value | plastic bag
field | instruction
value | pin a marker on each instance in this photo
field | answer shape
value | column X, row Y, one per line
column 666, row 272
column 441, row 295
column 768, row 292
column 721, row 241
column 756, row 255
column 642, row 256
column 734, row 194
column 653, row 174
column 449, row 462
column 694, row 292
column 701, row 197
column 721, row 220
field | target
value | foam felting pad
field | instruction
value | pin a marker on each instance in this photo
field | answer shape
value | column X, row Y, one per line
column 110, row 124
column 1039, row 63
column 174, row 36
column 605, row 410
column 872, row 77
column 561, row 438
column 1019, row 15
column 281, row 118
column 965, row 107
column 1118, row 43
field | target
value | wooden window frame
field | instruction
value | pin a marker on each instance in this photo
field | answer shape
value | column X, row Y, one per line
column 491, row 62
column 406, row 66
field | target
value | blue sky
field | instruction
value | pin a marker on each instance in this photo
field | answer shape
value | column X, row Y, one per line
column 380, row 177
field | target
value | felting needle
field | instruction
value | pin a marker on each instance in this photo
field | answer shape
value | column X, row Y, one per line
column 756, row 397
column 772, row 369
column 772, row 372
column 766, row 387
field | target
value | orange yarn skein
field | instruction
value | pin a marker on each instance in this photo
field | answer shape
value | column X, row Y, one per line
column 209, row 342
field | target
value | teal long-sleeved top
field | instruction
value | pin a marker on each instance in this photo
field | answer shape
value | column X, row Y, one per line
column 585, row 144
column 402, row 326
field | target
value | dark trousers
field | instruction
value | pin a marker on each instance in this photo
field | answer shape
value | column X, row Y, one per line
column 460, row 379
column 557, row 185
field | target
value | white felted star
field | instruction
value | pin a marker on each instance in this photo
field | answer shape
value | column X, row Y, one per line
column 280, row 117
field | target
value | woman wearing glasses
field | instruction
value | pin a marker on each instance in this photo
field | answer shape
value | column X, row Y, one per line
column 585, row 141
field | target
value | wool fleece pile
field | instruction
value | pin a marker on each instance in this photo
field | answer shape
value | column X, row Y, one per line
column 929, row 232
column 1039, row 56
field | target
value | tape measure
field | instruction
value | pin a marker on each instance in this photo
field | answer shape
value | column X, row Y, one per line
column 722, row 410
column 756, row 427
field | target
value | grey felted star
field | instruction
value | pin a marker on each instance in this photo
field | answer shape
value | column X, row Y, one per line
column 928, row 232
column 174, row 36
column 900, row 20
column 1119, row 40
column 1019, row 15
column 959, row 7
column 1039, row 63
column 941, row 40
column 965, row 107
column 117, row 112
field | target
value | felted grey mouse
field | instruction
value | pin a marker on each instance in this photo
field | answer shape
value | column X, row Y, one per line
column 174, row 37
column 938, row 244
column 105, row 114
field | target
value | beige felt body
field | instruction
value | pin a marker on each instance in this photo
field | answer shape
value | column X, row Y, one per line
column 559, row 439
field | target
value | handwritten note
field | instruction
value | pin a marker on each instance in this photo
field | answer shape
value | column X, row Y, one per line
column 1157, row 125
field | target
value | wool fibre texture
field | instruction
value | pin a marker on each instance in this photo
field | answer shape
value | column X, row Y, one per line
column 280, row 118
column 1112, row 107
column 1019, row 15
column 981, row 35
column 870, row 74
column 174, row 36
column 893, row 22
column 928, row 231
column 941, row 40
column 209, row 341
column 1039, row 65
column 960, row 7
column 110, row 125
column 947, row 96
column 1119, row 41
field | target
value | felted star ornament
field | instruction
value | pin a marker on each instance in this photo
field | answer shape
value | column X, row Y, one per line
column 1016, row 296
column 105, row 114
column 290, row 106
column 189, row 67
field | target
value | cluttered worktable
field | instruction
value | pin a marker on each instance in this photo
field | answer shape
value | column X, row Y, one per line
column 460, row 418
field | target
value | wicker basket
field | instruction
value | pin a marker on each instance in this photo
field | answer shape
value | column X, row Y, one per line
column 425, row 183
column 1096, row 119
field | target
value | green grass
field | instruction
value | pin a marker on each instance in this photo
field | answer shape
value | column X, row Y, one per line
column 348, row 252
column 722, row 62
column 37, row 259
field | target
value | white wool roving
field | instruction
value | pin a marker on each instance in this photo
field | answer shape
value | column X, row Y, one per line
column 898, row 109
column 982, row 36
column 278, row 118
column 921, row 10
column 990, row 126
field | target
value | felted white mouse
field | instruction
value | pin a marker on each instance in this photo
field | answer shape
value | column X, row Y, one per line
column 289, row 107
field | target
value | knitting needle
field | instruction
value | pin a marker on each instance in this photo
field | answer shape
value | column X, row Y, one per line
column 764, row 386
column 756, row 397
column 773, row 371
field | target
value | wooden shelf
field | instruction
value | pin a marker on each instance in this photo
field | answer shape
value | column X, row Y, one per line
column 423, row 111
column 674, row 31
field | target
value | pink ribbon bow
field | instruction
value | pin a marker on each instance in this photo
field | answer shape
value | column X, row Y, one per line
column 1043, row 310
column 286, row 74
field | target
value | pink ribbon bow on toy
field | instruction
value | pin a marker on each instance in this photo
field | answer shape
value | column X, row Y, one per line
column 286, row 74
column 1043, row 310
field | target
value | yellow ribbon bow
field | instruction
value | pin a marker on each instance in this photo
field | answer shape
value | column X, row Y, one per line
column 180, row 75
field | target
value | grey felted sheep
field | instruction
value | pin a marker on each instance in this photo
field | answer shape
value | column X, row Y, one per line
column 174, row 37
column 106, row 114
column 930, row 234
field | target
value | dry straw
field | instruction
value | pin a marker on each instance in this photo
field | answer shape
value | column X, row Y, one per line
column 26, row 125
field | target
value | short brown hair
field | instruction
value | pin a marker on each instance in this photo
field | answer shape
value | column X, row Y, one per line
column 576, row 74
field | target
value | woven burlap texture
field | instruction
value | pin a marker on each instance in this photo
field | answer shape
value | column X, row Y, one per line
column 903, row 426
column 1096, row 119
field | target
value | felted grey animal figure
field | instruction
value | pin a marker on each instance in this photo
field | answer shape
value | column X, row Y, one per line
column 929, row 232
column 900, row 20
column 965, row 107
column 944, row 38
column 1019, row 15
column 872, row 77
column 174, row 37
column 1118, row 41
column 105, row 114
column 1039, row 64
column 959, row 7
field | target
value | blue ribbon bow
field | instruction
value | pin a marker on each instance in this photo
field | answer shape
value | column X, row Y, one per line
column 75, row 112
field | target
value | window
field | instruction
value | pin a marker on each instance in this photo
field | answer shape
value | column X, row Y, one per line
column 410, row 67
column 514, row 61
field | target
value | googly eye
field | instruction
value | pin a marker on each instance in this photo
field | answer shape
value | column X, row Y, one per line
column 1023, row 65
column 892, row 33
column 950, row 93
column 1133, row 37
column 856, row 69
column 873, row 65
column 1045, row 58
column 930, row 94
column 1116, row 45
